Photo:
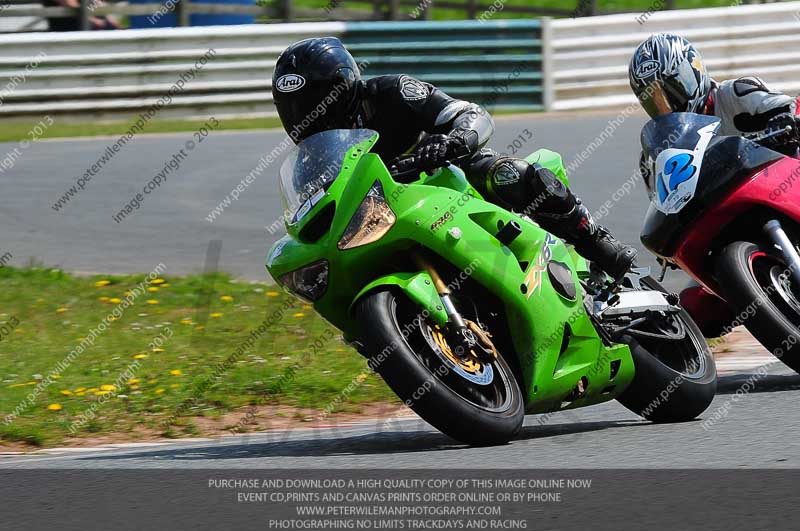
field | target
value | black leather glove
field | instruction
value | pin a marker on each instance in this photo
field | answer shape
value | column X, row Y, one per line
column 435, row 151
column 782, row 134
column 786, row 122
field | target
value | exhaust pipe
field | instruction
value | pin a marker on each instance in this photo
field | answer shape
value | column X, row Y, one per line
column 778, row 235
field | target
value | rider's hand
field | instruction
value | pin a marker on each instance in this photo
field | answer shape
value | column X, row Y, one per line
column 784, row 121
column 435, row 151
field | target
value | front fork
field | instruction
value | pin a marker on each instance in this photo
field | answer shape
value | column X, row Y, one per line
column 778, row 236
column 467, row 335
column 453, row 316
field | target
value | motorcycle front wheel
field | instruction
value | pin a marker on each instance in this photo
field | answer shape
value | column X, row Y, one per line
column 473, row 401
column 758, row 284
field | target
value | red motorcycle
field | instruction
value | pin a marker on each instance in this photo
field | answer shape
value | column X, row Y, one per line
column 726, row 210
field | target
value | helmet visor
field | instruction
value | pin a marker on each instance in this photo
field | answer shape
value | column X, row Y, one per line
column 676, row 93
column 655, row 101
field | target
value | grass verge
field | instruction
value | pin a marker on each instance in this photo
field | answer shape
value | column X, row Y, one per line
column 16, row 130
column 122, row 384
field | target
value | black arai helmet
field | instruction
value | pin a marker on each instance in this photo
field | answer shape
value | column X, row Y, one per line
column 316, row 86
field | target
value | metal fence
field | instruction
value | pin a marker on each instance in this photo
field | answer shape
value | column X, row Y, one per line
column 521, row 64
column 113, row 75
column 589, row 57
column 109, row 75
column 497, row 63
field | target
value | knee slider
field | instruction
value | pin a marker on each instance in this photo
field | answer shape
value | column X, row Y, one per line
column 545, row 182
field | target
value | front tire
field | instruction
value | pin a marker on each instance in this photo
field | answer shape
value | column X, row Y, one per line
column 756, row 281
column 459, row 403
column 675, row 380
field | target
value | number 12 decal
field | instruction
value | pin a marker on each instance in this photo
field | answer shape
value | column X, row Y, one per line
column 677, row 172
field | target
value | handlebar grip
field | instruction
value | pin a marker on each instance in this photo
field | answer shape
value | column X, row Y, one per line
column 403, row 165
column 407, row 165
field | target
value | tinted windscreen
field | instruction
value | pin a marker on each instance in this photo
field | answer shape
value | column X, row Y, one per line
column 314, row 164
column 674, row 147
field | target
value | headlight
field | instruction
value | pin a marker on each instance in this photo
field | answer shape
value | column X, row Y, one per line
column 371, row 221
column 309, row 282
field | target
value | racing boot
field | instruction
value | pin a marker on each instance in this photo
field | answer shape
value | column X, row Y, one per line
column 594, row 242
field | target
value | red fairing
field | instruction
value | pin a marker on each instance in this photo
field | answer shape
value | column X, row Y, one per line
column 777, row 187
column 711, row 313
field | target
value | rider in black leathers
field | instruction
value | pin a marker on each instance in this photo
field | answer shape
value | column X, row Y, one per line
column 317, row 86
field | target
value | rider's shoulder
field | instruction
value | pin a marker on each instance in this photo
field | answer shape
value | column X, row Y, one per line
column 742, row 86
column 400, row 88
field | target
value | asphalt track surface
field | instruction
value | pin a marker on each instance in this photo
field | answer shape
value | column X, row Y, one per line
column 171, row 226
column 759, row 430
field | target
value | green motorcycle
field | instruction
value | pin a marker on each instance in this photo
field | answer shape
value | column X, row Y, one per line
column 474, row 315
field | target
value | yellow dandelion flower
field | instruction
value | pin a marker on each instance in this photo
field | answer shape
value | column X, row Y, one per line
column 159, row 390
column 174, row 386
column 108, row 387
column 140, row 356
column 200, row 327
column 54, row 407
column 61, row 310
column 226, row 298
column 101, row 283
column 156, row 349
column 103, row 299
column 186, row 321
column 216, row 315
column 152, row 381
column 55, row 376
column 299, row 314
column 152, row 301
column 80, row 389
column 133, row 381
column 273, row 293
column 66, row 392
column 152, row 288
column 100, row 393
column 307, row 306
column 128, row 293
column 361, row 377
column 176, row 372
column 79, row 394
column 158, row 281
column 21, row 384
column 112, row 318
column 92, row 390
column 164, row 285
column 115, row 300
column 134, row 387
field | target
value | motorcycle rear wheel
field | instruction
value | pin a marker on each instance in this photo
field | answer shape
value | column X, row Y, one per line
column 675, row 380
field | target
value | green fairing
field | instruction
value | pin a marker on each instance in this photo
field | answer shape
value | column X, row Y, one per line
column 427, row 211
column 550, row 160
column 418, row 287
